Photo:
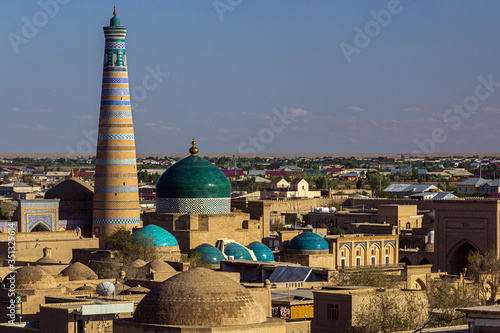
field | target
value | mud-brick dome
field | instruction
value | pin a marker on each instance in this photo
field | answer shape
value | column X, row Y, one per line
column 79, row 271
column 31, row 277
column 193, row 185
column 308, row 242
column 262, row 252
column 199, row 297
column 160, row 266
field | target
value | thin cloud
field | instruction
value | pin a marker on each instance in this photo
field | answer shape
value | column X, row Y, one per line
column 42, row 127
column 86, row 117
column 489, row 109
column 413, row 109
column 16, row 109
column 297, row 112
column 354, row 108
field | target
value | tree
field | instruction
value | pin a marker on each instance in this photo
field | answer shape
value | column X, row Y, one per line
column 367, row 276
column 377, row 181
column 5, row 179
column 444, row 297
column 131, row 248
column 336, row 231
column 194, row 260
column 386, row 311
column 4, row 214
column 359, row 183
column 485, row 270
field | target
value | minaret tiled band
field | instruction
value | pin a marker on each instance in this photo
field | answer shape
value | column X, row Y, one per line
column 116, row 198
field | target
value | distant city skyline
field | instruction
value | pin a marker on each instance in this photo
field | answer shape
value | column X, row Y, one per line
column 326, row 77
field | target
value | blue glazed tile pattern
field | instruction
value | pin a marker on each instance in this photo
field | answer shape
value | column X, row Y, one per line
column 308, row 241
column 156, row 235
column 237, row 251
column 209, row 253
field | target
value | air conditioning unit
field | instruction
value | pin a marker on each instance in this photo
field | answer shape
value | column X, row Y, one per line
column 230, row 258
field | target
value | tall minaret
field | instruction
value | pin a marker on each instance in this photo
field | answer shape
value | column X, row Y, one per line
column 116, row 197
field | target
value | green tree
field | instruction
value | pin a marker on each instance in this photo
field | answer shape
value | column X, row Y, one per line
column 4, row 214
column 194, row 260
column 131, row 248
column 359, row 183
column 377, row 182
column 336, row 231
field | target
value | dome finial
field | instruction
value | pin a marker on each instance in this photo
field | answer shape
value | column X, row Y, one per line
column 72, row 174
column 193, row 150
column 115, row 21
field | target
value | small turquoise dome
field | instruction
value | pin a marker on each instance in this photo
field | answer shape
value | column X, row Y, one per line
column 209, row 253
column 262, row 252
column 308, row 241
column 115, row 21
column 157, row 235
column 237, row 251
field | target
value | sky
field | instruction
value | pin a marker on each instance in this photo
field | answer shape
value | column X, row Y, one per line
column 257, row 76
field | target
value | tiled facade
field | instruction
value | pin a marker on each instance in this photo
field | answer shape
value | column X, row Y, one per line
column 43, row 214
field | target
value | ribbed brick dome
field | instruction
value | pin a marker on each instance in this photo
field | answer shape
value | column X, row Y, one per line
column 199, row 297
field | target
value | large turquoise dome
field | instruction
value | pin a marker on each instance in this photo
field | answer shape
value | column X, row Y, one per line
column 193, row 185
column 209, row 253
column 156, row 235
column 308, row 242
column 262, row 252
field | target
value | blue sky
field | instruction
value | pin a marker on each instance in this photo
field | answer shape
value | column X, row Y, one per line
column 282, row 76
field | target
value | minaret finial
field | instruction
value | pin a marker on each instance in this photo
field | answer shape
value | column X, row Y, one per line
column 193, row 150
column 114, row 11
column 72, row 174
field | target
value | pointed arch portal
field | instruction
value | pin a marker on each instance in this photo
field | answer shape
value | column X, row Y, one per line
column 458, row 259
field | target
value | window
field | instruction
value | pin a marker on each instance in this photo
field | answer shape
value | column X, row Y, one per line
column 342, row 253
column 358, row 261
column 387, row 251
column 358, row 252
column 408, row 226
column 373, row 251
column 97, row 230
column 387, row 260
column 373, row 260
column 333, row 311
column 342, row 262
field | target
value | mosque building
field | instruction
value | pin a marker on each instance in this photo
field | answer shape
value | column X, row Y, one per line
column 75, row 204
column 116, row 198
column 194, row 205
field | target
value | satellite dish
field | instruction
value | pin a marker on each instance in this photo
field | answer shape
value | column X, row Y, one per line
column 105, row 288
